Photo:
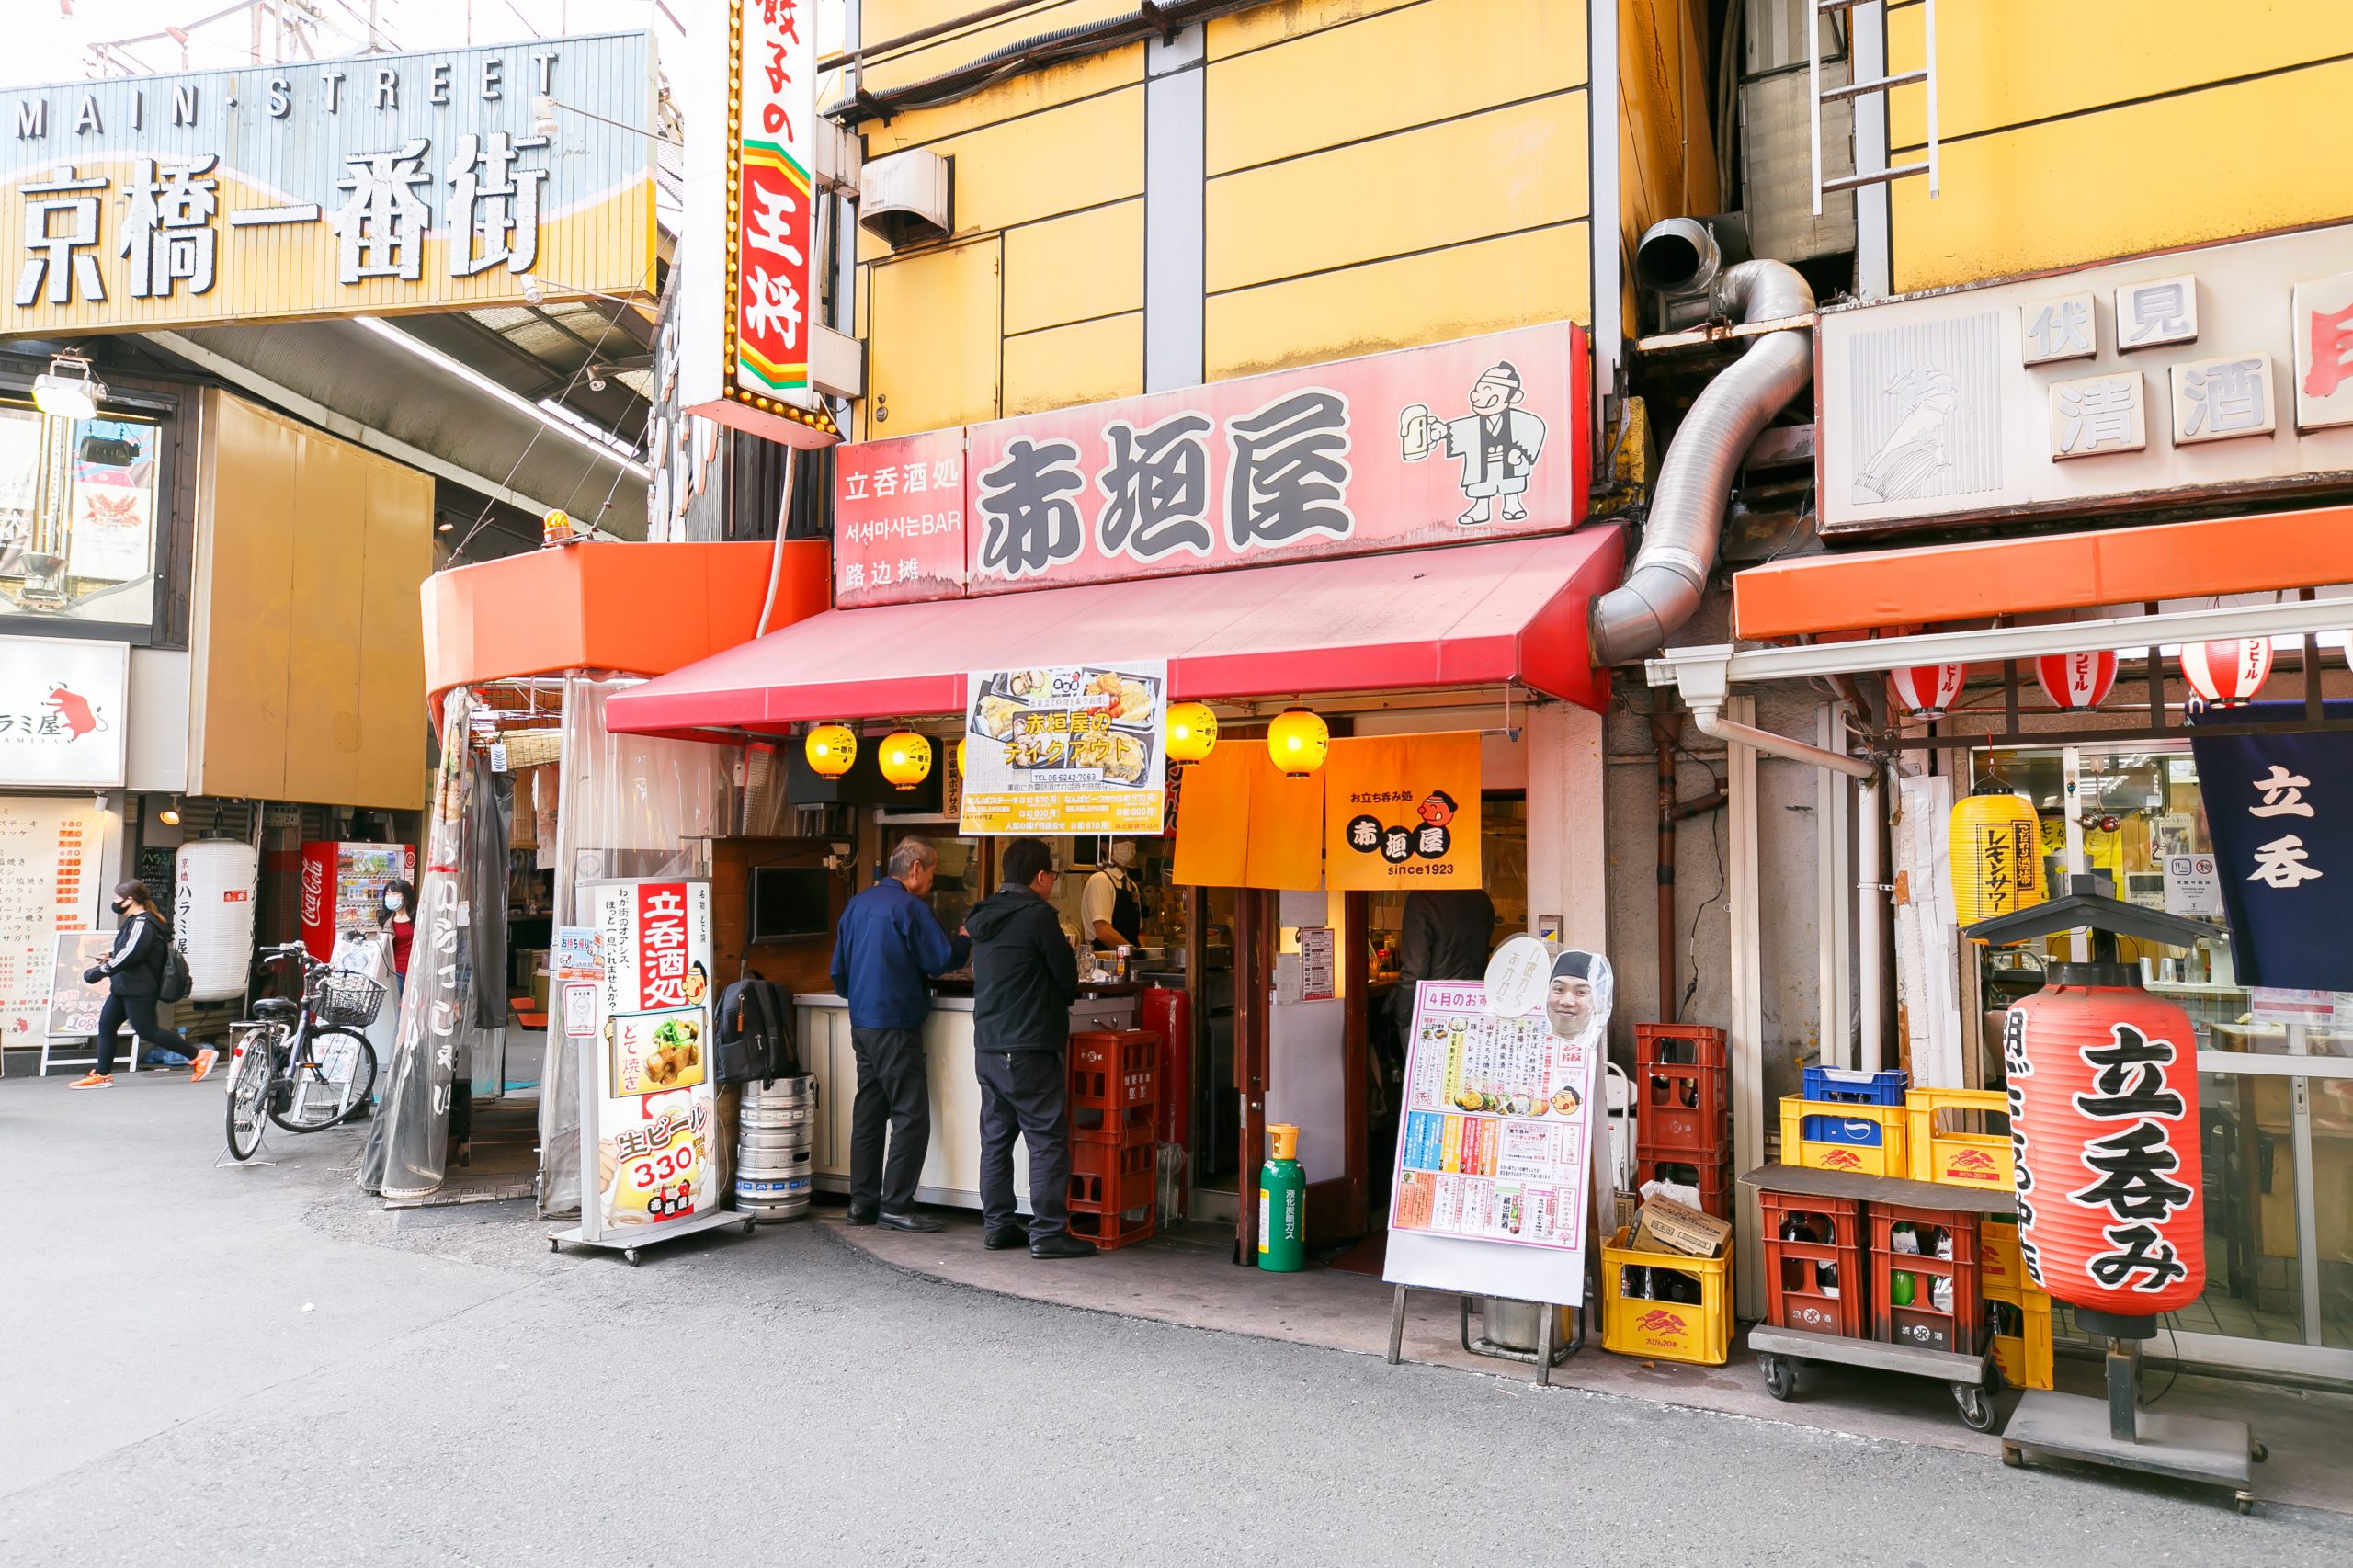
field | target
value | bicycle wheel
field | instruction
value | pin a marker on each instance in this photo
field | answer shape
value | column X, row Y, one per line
column 248, row 1091
column 336, row 1074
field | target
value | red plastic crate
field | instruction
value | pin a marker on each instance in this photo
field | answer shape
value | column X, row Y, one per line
column 1801, row 1275
column 1110, row 1178
column 1921, row 1323
column 1682, row 1107
column 1692, row 1045
column 1113, row 1231
column 1111, row 1069
column 1715, row 1181
column 1134, row 1125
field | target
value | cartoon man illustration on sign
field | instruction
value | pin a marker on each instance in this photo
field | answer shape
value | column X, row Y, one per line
column 1498, row 443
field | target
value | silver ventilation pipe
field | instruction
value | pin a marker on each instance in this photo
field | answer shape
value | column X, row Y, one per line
column 1663, row 587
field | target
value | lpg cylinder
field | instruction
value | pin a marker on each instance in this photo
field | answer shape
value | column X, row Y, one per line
column 1282, row 1204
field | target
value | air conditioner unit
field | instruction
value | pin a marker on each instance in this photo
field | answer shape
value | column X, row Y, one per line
column 904, row 198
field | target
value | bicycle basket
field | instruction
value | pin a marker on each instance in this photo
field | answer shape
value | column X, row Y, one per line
column 349, row 1000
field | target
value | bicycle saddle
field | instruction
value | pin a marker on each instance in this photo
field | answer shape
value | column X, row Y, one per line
column 277, row 1007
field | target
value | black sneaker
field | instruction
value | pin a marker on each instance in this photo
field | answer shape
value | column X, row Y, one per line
column 1061, row 1244
column 910, row 1221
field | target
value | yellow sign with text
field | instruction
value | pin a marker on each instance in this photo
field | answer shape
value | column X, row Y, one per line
column 1402, row 811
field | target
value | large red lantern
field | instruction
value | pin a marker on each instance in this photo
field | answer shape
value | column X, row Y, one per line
column 2103, row 1086
column 2227, row 672
column 2076, row 681
column 1924, row 691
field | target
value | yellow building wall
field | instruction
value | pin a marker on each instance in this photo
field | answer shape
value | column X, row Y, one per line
column 1378, row 174
column 2098, row 129
column 310, row 653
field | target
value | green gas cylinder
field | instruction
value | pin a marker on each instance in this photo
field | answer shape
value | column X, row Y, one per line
column 1282, row 1205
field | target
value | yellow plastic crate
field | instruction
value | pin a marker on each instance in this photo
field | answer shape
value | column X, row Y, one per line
column 1981, row 1160
column 1666, row 1331
column 2000, row 1264
column 2025, row 1359
column 1889, row 1157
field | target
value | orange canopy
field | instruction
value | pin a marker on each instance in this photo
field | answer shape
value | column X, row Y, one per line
column 1937, row 584
column 640, row 609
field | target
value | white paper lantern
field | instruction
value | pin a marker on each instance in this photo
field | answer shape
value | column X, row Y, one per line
column 1924, row 691
column 2228, row 672
column 212, row 915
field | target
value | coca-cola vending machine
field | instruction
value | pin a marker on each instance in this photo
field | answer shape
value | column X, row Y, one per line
column 343, row 888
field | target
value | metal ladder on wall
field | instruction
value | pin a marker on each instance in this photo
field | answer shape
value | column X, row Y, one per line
column 1926, row 78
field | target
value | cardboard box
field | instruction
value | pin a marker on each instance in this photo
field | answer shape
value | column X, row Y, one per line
column 1627, row 1207
column 1668, row 1226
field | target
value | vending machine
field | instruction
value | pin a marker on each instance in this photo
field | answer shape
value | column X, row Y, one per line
column 343, row 888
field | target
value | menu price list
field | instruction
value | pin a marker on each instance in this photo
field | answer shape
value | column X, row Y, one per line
column 1493, row 1141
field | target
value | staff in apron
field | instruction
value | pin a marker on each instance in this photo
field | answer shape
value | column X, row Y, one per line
column 1109, row 908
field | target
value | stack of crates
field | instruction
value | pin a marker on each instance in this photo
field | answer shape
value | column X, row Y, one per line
column 1847, row 1120
column 1952, row 1136
column 1114, row 1111
column 2018, row 1312
column 1904, row 1309
column 1683, row 1111
column 1817, row 1278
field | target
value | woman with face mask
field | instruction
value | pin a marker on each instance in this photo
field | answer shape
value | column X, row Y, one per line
column 134, row 975
column 399, row 918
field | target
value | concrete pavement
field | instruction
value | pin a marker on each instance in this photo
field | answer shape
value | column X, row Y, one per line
column 258, row 1366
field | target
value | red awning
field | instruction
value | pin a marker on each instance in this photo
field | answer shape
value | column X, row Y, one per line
column 1475, row 615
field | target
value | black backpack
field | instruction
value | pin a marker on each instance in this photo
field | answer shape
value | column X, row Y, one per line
column 756, row 1040
column 176, row 981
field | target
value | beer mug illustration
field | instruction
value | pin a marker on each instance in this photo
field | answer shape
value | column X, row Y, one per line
column 1414, row 431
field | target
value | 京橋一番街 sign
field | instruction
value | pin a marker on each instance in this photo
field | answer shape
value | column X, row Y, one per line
column 1448, row 443
column 371, row 185
column 1071, row 749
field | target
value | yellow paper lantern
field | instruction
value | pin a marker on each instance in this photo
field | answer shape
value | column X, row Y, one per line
column 1995, row 843
column 1192, row 732
column 960, row 757
column 831, row 749
column 1297, row 740
column 906, row 758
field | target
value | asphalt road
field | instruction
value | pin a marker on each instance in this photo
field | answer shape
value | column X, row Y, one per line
column 257, row 1366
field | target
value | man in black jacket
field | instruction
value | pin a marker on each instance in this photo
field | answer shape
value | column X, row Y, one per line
column 1025, row 977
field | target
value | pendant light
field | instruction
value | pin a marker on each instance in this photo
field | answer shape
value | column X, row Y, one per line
column 2076, row 681
column 831, row 749
column 1924, row 691
column 2226, row 673
column 1192, row 732
column 905, row 758
column 1298, row 741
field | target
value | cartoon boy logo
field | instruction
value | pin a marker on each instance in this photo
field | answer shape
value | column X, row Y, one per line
column 1438, row 808
column 1498, row 443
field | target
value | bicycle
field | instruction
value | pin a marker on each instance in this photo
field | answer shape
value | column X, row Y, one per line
column 305, row 1064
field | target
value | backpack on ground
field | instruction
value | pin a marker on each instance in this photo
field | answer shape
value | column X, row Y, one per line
column 755, row 1033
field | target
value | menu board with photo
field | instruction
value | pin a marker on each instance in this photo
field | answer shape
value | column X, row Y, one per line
column 51, row 848
column 649, row 1110
column 1074, row 749
column 74, row 1003
column 1494, row 1149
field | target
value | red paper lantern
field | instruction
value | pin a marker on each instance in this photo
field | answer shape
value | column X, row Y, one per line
column 2076, row 681
column 2227, row 672
column 2103, row 1086
column 1924, row 691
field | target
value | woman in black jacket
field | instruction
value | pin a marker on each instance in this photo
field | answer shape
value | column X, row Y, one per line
column 134, row 975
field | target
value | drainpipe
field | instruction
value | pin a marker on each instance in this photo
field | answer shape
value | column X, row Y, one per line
column 1670, row 572
column 1870, row 940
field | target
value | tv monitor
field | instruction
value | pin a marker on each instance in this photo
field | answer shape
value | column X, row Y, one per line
column 789, row 902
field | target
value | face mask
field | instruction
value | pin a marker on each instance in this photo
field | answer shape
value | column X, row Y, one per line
column 1123, row 854
column 122, row 906
column 392, row 902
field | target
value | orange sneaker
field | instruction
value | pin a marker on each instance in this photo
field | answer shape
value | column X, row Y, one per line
column 93, row 1081
column 204, row 1060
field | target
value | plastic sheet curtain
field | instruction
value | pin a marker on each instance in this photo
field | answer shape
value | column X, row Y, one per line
column 629, row 806
column 408, row 1141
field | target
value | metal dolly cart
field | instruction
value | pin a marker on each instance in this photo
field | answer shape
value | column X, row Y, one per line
column 1975, row 1379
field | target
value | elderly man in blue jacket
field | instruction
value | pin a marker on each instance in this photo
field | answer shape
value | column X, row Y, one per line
column 890, row 943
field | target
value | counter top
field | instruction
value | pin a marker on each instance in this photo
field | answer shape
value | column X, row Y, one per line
column 827, row 999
